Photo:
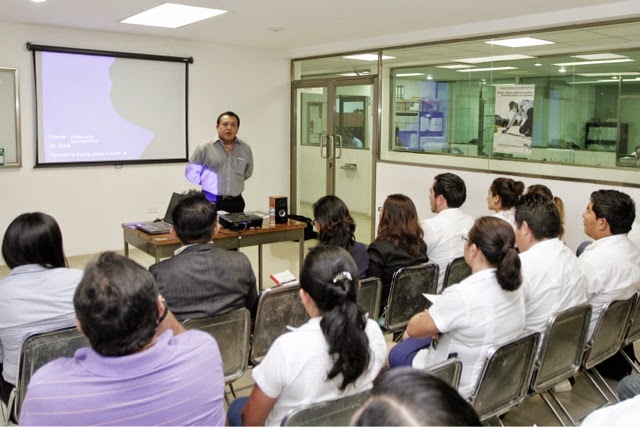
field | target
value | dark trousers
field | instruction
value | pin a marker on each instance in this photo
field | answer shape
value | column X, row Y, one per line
column 231, row 204
column 5, row 388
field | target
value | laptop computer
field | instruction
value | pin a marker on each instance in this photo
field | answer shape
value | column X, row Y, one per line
column 164, row 225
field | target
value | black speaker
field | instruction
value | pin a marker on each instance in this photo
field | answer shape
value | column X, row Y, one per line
column 279, row 204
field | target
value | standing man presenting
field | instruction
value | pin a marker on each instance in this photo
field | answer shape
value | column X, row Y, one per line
column 222, row 166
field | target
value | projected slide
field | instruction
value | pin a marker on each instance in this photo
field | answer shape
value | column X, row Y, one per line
column 97, row 109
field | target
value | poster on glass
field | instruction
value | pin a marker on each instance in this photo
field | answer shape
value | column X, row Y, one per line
column 514, row 119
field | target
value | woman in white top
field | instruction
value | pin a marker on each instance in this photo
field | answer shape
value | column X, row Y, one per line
column 338, row 352
column 38, row 294
column 483, row 310
column 502, row 196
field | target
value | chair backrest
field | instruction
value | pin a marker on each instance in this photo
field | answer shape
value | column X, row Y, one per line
column 506, row 376
column 448, row 371
column 609, row 332
column 41, row 348
column 456, row 272
column 562, row 347
column 232, row 332
column 633, row 334
column 336, row 412
column 369, row 296
column 405, row 296
column 277, row 308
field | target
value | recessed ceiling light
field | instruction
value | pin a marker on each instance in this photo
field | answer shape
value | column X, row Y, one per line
column 496, row 58
column 585, row 82
column 605, row 61
column 520, row 42
column 368, row 57
column 454, row 66
column 355, row 73
column 429, row 77
column 38, row 1
column 625, row 73
column 473, row 70
column 170, row 15
column 562, row 70
column 596, row 56
column 537, row 65
column 409, row 74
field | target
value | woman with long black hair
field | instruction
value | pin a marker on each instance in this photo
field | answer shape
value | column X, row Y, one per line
column 338, row 352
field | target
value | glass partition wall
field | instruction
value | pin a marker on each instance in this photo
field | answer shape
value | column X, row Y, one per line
column 555, row 103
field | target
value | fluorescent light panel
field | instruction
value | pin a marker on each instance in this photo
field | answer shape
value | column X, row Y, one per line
column 626, row 73
column 454, row 66
column 409, row 74
column 473, row 70
column 170, row 15
column 368, row 57
column 598, row 56
column 520, row 42
column 496, row 58
column 604, row 61
column 584, row 82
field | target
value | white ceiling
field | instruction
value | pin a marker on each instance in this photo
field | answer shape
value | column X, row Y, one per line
column 303, row 23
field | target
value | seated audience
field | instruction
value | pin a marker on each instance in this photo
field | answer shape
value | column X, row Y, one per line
column 337, row 353
column 611, row 264
column 484, row 310
column 552, row 278
column 201, row 280
column 545, row 191
column 143, row 368
column 336, row 227
column 502, row 196
column 38, row 294
column 443, row 232
column 412, row 397
column 398, row 244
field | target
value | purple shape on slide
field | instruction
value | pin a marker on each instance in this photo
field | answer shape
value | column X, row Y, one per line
column 81, row 123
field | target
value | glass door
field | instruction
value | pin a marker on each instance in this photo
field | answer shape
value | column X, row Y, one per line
column 332, row 141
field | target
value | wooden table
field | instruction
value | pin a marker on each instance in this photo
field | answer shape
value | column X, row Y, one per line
column 162, row 245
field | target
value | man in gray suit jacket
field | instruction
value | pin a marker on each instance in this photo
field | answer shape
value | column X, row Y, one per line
column 201, row 280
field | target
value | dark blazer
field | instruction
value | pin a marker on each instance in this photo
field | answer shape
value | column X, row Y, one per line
column 202, row 281
column 385, row 259
column 360, row 256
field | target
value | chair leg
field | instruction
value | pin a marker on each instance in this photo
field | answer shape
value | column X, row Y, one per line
column 547, row 402
column 631, row 362
column 561, row 406
column 595, row 372
column 233, row 392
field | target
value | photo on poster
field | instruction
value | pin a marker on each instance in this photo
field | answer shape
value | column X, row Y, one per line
column 514, row 119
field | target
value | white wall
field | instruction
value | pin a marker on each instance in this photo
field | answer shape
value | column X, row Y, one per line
column 90, row 203
column 415, row 181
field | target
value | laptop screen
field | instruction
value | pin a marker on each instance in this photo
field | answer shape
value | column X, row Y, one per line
column 175, row 199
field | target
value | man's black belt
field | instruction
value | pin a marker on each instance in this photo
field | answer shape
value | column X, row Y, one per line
column 227, row 197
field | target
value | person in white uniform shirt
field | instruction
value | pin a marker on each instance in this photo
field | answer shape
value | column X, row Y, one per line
column 502, row 196
column 443, row 232
column 484, row 310
column 611, row 264
column 552, row 279
column 38, row 294
column 337, row 353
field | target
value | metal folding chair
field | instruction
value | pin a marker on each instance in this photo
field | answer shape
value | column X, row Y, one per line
column 456, row 272
column 369, row 295
column 232, row 332
column 506, row 376
column 330, row 413
column 38, row 350
column 561, row 352
column 405, row 296
column 448, row 371
column 277, row 308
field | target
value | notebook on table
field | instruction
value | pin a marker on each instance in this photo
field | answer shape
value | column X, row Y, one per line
column 164, row 225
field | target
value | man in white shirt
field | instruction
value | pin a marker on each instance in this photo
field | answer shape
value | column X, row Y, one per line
column 553, row 280
column 443, row 233
column 611, row 264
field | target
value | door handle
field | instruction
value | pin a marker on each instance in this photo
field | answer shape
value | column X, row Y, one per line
column 322, row 138
column 340, row 146
column 331, row 148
